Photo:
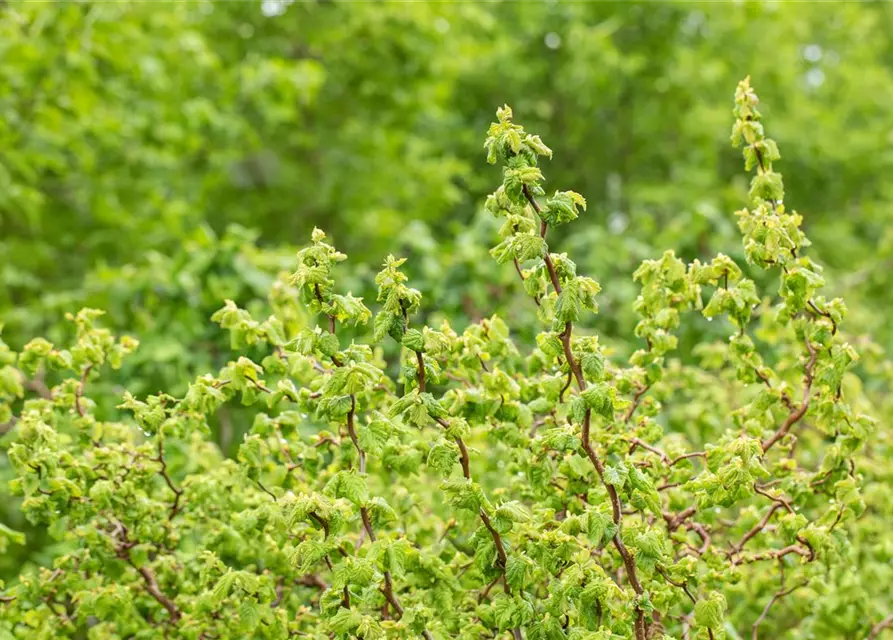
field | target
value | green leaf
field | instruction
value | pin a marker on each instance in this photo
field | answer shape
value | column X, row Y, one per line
column 767, row 186
column 516, row 570
column 349, row 485
column 328, row 344
column 527, row 246
column 249, row 615
column 569, row 304
column 414, row 340
column 222, row 588
column 616, row 474
column 443, row 456
column 382, row 325
column 600, row 398
column 374, row 436
column 562, row 207
column 709, row 612
column 464, row 494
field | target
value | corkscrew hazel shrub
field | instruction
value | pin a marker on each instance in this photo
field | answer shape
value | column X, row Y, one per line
column 476, row 487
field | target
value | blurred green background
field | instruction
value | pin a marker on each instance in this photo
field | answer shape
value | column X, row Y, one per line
column 158, row 158
column 133, row 135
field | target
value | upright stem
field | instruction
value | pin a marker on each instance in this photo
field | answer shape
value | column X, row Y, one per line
column 501, row 555
column 421, row 363
column 387, row 588
column 629, row 561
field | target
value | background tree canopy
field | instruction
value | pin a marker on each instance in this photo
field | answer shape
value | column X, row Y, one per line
column 130, row 132
column 156, row 161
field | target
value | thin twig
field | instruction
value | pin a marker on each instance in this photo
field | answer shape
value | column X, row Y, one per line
column 175, row 507
column 880, row 626
column 781, row 593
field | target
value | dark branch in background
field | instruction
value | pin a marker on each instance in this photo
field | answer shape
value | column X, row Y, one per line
column 38, row 386
column 629, row 561
column 7, row 426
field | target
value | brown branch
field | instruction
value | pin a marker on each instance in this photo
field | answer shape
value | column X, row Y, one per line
column 260, row 386
column 38, row 386
column 486, row 592
column 674, row 521
column 319, row 298
column 463, row 450
column 756, row 529
column 322, row 522
column 352, row 432
column 686, row 456
column 617, row 508
column 175, row 507
column 782, row 501
column 640, row 443
column 880, row 626
column 811, row 551
column 325, row 527
column 699, row 529
column 785, row 398
column 637, row 398
column 781, row 593
column 123, row 547
column 79, row 392
column 267, row 491
column 501, row 557
column 313, row 580
column 824, row 314
column 774, row 554
column 420, row 359
column 6, row 427
column 387, row 588
column 797, row 414
column 570, row 378
column 680, row 585
column 466, row 472
column 367, row 523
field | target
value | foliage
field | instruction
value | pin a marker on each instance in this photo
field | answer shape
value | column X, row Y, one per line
column 413, row 479
column 359, row 117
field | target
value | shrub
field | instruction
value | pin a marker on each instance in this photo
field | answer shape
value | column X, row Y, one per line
column 445, row 484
